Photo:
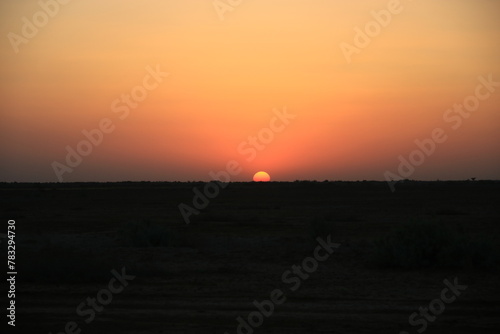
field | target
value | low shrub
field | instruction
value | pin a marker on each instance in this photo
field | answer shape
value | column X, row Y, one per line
column 55, row 263
column 424, row 244
column 147, row 234
column 319, row 227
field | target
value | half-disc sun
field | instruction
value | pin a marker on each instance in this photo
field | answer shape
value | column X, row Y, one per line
column 261, row 177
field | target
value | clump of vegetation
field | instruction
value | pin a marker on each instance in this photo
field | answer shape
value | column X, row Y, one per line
column 319, row 227
column 209, row 216
column 147, row 234
column 449, row 212
column 54, row 263
column 342, row 216
column 425, row 244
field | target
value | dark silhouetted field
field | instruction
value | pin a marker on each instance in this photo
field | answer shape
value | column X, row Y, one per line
column 396, row 249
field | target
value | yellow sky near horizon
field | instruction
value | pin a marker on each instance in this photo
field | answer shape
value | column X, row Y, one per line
column 226, row 77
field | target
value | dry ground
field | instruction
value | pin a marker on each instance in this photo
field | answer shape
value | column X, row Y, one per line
column 202, row 276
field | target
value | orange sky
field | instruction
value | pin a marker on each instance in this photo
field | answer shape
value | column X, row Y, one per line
column 352, row 120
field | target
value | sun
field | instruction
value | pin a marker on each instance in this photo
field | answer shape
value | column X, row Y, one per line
column 261, row 177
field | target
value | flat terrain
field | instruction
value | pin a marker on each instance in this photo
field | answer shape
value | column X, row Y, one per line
column 199, row 278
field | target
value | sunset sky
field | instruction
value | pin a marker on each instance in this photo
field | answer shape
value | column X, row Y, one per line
column 228, row 79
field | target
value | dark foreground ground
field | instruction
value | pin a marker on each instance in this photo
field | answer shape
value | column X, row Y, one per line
column 199, row 278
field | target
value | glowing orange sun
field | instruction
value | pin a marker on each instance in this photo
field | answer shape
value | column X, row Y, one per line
column 261, row 177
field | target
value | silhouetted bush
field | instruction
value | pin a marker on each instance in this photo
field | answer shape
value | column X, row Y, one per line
column 224, row 217
column 146, row 234
column 449, row 212
column 319, row 227
column 342, row 216
column 424, row 244
column 55, row 263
